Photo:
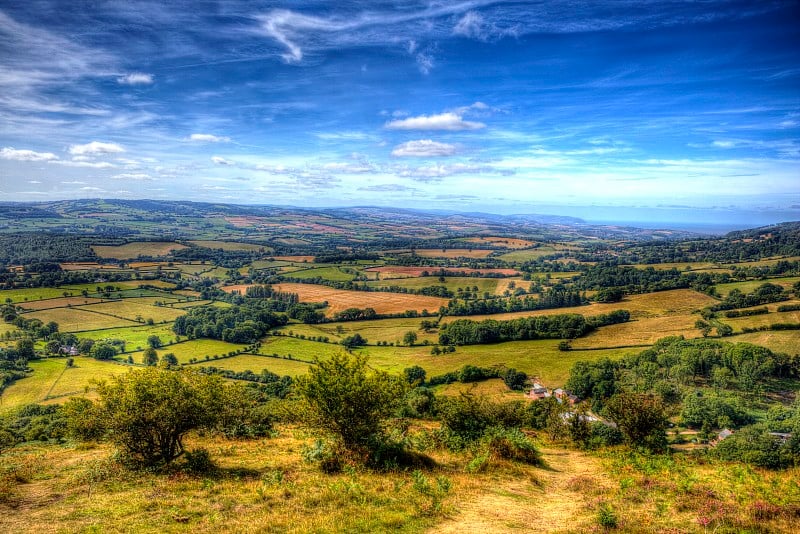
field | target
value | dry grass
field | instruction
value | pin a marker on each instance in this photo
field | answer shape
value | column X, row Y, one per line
column 59, row 303
column 452, row 253
column 231, row 245
column 135, row 249
column 339, row 299
column 299, row 259
column 398, row 271
column 786, row 341
column 131, row 309
column 755, row 321
column 751, row 285
column 645, row 331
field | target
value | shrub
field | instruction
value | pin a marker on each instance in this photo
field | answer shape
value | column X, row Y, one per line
column 198, row 462
column 509, row 444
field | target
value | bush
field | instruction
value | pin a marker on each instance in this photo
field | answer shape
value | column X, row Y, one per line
column 198, row 462
column 509, row 444
column 148, row 412
column 351, row 406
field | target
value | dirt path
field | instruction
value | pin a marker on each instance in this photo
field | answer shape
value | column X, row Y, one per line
column 552, row 499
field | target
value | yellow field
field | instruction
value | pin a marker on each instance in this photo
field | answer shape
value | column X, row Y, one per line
column 196, row 348
column 135, row 249
column 751, row 285
column 299, row 259
column 339, row 299
column 389, row 330
column 77, row 320
column 754, row 321
column 131, row 310
column 662, row 303
column 786, row 341
column 644, row 331
column 505, row 242
column 249, row 362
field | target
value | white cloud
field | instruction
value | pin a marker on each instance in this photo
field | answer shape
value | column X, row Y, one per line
column 425, row 62
column 135, row 78
column 724, row 144
column 26, row 155
column 222, row 161
column 74, row 182
column 95, row 147
column 34, row 182
column 207, row 138
column 423, row 148
column 86, row 164
column 449, row 121
column 349, row 168
column 138, row 176
column 470, row 25
column 91, row 189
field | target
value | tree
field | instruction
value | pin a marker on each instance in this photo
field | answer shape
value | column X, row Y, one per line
column 349, row 404
column 515, row 379
column 169, row 359
column 154, row 341
column 53, row 347
column 103, row 351
column 640, row 418
column 409, row 338
column 414, row 374
column 148, row 412
column 351, row 342
column 25, row 349
column 150, row 356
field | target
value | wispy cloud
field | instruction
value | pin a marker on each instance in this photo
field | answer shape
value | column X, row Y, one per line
column 26, row 155
column 219, row 160
column 135, row 176
column 423, row 148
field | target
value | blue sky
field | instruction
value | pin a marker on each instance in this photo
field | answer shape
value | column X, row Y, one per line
column 609, row 110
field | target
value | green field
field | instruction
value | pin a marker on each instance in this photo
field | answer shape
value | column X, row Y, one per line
column 389, row 330
column 528, row 254
column 751, row 285
column 786, row 341
column 250, row 362
column 51, row 379
column 34, row 293
column 195, row 348
column 134, row 336
column 231, row 245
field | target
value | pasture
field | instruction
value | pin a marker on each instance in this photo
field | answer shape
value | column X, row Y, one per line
column 334, row 274
column 382, row 303
column 135, row 337
column 786, row 341
column 134, row 311
column 135, row 249
column 195, row 348
column 755, row 321
column 53, row 381
column 751, row 285
column 529, row 254
column 388, row 330
column 62, row 302
column 398, row 271
column 17, row 296
column 645, row 331
column 256, row 363
column 452, row 253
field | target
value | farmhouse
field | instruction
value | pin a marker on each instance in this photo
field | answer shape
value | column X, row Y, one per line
column 537, row 392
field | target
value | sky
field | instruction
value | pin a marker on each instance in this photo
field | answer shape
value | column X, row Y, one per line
column 654, row 111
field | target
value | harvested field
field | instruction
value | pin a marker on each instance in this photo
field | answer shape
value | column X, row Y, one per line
column 339, row 299
column 751, row 285
column 640, row 332
column 505, row 242
column 78, row 320
column 85, row 266
column 133, row 250
column 397, row 271
column 648, row 305
column 786, row 341
column 755, row 321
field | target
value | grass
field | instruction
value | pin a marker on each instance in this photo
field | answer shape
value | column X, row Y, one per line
column 135, row 249
column 51, row 378
column 528, row 254
column 134, row 310
column 755, row 321
column 453, row 283
column 504, row 242
column 63, row 302
column 786, row 341
column 134, row 336
column 195, row 348
column 389, row 330
column 645, row 331
column 335, row 274
column 31, row 294
column 750, row 285
column 452, row 253
column 78, row 320
column 255, row 363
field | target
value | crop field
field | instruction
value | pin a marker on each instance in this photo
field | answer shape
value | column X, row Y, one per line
column 52, row 380
column 528, row 254
column 662, row 303
column 751, row 285
column 255, row 363
column 453, row 283
column 295, row 259
column 298, row 349
column 123, row 285
column 504, row 242
column 135, row 311
column 399, row 271
column 85, row 266
column 135, row 337
column 195, row 348
column 131, row 251
column 62, row 302
column 339, row 299
column 644, row 331
column 231, row 245
column 78, row 320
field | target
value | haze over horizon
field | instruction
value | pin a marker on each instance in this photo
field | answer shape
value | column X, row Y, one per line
column 647, row 112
